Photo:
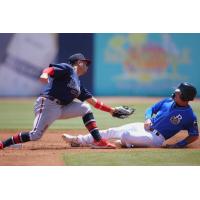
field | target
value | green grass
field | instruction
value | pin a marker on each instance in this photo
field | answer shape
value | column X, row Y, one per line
column 19, row 115
column 135, row 157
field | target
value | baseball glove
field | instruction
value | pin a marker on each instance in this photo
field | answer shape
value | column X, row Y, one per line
column 123, row 112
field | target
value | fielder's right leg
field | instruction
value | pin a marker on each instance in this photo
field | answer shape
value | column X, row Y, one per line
column 46, row 113
column 19, row 138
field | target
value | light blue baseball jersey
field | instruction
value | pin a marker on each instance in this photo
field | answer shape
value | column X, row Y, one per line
column 168, row 118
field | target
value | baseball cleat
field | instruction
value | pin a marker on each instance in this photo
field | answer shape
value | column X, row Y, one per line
column 1, row 145
column 72, row 140
column 103, row 144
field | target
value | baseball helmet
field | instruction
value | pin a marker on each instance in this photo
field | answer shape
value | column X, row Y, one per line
column 187, row 90
column 78, row 56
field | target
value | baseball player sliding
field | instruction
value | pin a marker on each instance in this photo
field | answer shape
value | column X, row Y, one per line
column 162, row 121
column 57, row 101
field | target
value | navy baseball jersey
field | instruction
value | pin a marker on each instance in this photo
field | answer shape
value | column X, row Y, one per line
column 168, row 118
column 65, row 84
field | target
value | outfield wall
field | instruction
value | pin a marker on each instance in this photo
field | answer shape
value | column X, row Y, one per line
column 123, row 64
column 145, row 64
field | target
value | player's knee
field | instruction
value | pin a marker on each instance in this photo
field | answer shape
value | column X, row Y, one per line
column 35, row 135
column 85, row 108
column 125, row 140
column 125, row 136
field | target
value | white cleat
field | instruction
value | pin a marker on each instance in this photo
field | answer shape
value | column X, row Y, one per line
column 71, row 140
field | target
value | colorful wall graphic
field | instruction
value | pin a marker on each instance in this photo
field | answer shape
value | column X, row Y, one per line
column 145, row 64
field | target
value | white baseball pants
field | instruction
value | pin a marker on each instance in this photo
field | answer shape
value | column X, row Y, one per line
column 130, row 135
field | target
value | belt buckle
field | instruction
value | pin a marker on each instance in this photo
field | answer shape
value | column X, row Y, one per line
column 156, row 132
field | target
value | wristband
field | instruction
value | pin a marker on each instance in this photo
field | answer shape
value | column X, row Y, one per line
column 182, row 143
column 101, row 106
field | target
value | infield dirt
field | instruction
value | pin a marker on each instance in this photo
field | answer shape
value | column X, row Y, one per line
column 50, row 149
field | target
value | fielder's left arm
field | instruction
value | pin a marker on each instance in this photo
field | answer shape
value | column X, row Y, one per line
column 121, row 112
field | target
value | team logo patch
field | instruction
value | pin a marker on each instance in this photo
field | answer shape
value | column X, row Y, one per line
column 195, row 124
column 176, row 119
column 75, row 89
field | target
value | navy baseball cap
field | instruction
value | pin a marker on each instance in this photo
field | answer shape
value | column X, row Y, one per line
column 78, row 56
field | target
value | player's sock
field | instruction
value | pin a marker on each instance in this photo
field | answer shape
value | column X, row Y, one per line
column 19, row 138
column 90, row 124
